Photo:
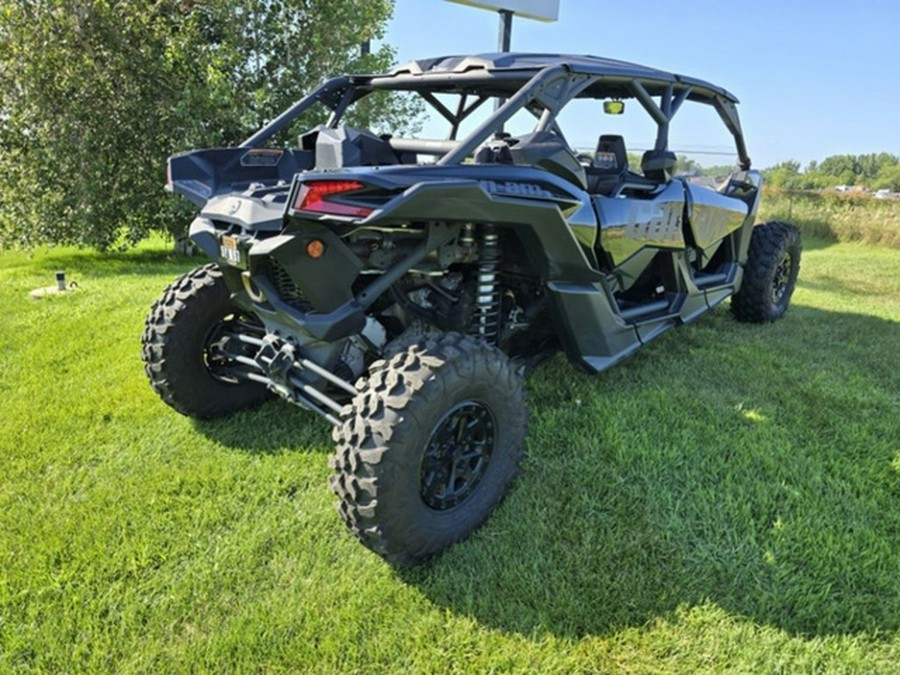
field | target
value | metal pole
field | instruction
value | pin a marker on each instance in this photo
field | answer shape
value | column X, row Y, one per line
column 506, row 18
column 503, row 42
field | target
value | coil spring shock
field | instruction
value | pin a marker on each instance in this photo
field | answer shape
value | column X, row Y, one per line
column 486, row 324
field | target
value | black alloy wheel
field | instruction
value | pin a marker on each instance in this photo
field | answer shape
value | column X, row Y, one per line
column 456, row 455
column 781, row 278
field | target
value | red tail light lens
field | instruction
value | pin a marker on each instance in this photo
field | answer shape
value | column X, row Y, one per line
column 312, row 196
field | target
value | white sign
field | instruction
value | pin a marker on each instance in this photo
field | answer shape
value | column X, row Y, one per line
column 542, row 10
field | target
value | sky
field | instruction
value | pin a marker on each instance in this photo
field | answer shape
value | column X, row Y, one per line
column 815, row 77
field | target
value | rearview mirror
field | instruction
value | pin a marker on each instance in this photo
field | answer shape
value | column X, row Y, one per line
column 613, row 107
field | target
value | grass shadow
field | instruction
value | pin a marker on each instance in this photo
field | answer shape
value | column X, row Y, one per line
column 817, row 243
column 88, row 263
column 139, row 262
column 272, row 428
column 667, row 483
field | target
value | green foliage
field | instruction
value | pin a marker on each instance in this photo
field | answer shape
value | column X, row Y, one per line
column 888, row 178
column 690, row 167
column 781, row 174
column 685, row 166
column 94, row 95
column 724, row 501
column 876, row 170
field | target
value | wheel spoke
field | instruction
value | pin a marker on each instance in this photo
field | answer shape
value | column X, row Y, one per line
column 476, row 451
column 467, row 470
column 462, row 427
column 451, row 479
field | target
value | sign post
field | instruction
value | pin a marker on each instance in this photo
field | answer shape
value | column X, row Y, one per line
column 506, row 17
column 539, row 10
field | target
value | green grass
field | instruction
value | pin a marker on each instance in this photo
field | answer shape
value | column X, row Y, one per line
column 726, row 500
column 836, row 216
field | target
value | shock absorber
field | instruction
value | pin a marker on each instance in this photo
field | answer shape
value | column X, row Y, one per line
column 486, row 324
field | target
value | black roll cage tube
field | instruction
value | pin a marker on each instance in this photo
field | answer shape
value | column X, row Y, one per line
column 550, row 88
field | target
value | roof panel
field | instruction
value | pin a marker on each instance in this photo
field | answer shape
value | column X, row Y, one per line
column 497, row 63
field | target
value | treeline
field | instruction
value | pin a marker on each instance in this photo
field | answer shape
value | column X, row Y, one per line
column 94, row 96
column 875, row 171
column 685, row 166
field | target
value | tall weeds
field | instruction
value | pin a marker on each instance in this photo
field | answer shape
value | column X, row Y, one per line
column 835, row 216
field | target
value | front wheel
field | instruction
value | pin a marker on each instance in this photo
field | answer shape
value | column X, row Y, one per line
column 770, row 274
column 429, row 447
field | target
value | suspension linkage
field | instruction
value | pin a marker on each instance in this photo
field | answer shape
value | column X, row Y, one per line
column 276, row 365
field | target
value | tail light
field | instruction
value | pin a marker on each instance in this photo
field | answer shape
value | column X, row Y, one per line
column 314, row 196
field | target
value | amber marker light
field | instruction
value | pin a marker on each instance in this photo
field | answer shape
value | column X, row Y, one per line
column 315, row 249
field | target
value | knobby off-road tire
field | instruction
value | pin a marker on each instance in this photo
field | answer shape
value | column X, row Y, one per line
column 429, row 446
column 770, row 273
column 176, row 347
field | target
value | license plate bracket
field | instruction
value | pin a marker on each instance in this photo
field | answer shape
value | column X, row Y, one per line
column 230, row 250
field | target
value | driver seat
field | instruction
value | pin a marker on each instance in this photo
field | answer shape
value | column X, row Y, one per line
column 609, row 166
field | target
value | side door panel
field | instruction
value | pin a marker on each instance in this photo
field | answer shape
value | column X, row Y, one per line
column 629, row 225
column 711, row 217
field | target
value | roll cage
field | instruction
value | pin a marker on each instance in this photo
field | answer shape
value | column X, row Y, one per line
column 541, row 84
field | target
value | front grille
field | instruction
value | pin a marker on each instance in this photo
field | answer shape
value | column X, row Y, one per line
column 287, row 289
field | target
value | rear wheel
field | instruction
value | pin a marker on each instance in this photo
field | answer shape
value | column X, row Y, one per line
column 770, row 274
column 181, row 347
column 430, row 446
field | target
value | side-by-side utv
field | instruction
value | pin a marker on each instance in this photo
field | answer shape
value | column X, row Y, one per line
column 399, row 287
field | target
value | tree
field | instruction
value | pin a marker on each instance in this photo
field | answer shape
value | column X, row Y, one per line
column 888, row 178
column 783, row 175
column 843, row 167
column 95, row 94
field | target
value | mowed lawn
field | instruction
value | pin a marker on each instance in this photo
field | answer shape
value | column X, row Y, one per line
column 726, row 500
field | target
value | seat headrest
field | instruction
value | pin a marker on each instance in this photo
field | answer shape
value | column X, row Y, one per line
column 659, row 165
column 545, row 150
column 610, row 156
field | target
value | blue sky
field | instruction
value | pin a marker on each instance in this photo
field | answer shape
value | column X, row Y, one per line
column 815, row 77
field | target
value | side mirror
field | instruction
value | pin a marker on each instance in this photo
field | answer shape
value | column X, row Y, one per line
column 613, row 107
